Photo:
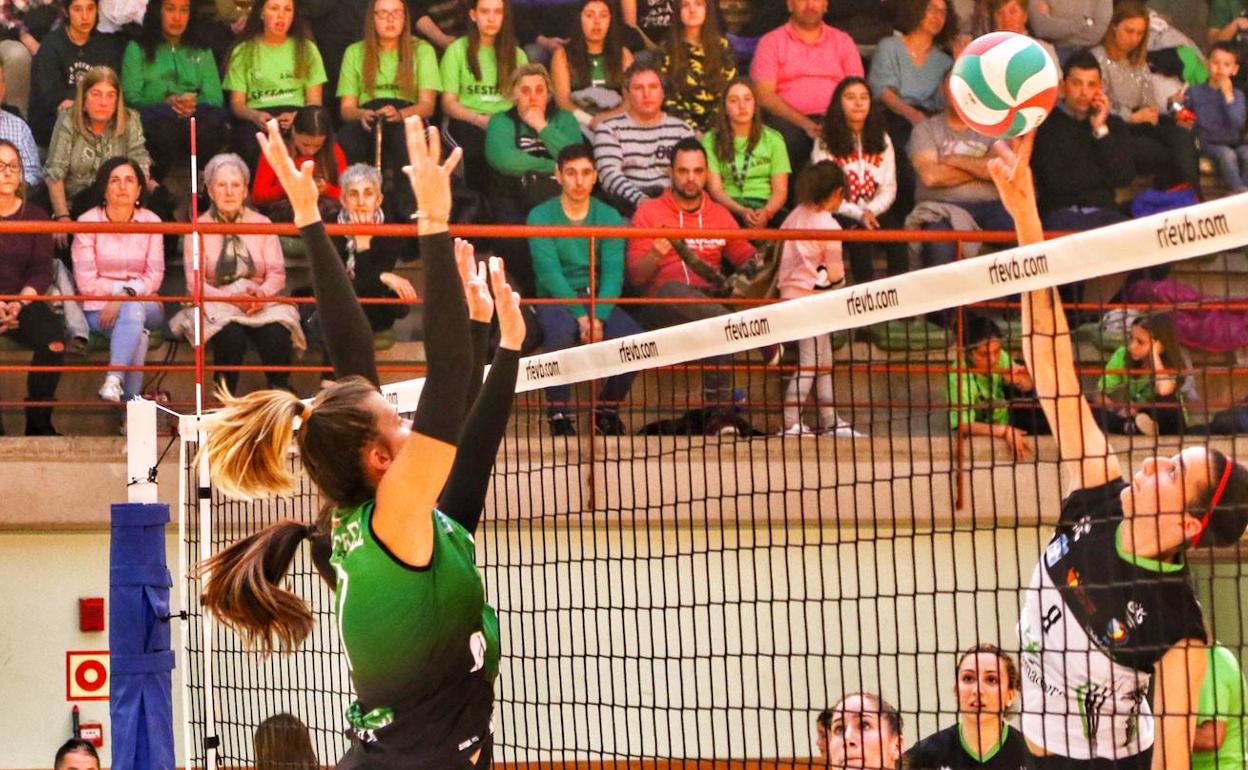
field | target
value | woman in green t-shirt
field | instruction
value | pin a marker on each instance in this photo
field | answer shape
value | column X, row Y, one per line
column 274, row 69
column 169, row 76
column 474, row 69
column 588, row 73
column 385, row 77
column 748, row 162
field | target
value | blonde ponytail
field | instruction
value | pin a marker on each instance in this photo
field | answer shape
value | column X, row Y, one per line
column 249, row 443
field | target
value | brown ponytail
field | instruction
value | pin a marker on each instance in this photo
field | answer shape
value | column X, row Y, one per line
column 243, row 588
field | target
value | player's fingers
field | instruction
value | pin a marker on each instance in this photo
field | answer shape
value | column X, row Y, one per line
column 414, row 131
column 452, row 160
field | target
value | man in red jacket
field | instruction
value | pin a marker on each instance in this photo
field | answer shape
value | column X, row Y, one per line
column 655, row 266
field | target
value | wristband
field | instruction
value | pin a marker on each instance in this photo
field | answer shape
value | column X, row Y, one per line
column 59, row 217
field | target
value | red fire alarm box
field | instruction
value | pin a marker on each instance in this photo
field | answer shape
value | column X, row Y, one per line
column 91, row 614
column 93, row 732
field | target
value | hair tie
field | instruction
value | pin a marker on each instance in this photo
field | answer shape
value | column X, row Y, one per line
column 310, row 532
column 1213, row 501
column 301, row 410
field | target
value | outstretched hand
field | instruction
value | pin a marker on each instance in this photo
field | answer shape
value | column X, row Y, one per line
column 507, row 301
column 429, row 176
column 299, row 183
column 1011, row 173
column 476, row 286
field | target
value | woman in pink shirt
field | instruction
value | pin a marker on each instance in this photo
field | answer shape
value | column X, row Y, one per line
column 120, row 265
column 237, row 267
column 806, row 268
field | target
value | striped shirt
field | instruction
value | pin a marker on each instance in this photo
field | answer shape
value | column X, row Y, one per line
column 633, row 160
column 14, row 129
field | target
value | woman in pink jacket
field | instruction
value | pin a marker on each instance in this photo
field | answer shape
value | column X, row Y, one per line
column 240, row 267
column 120, row 265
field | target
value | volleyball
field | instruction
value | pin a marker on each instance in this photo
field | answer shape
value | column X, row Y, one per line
column 1004, row 84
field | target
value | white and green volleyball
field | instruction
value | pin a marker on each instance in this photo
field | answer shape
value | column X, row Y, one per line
column 1004, row 84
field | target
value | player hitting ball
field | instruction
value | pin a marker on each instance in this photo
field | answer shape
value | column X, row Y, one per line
column 421, row 642
column 1110, row 614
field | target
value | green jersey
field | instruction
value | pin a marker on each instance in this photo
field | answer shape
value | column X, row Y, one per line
column 1222, row 699
column 386, row 83
column 422, row 644
column 266, row 73
column 479, row 95
column 978, row 397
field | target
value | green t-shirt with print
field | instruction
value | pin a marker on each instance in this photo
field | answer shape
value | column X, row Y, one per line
column 748, row 176
column 481, row 96
column 1222, row 699
column 266, row 73
column 386, row 83
column 978, row 397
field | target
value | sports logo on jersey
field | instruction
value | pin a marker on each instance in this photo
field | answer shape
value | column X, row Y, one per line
column 1072, row 578
column 1135, row 613
column 1082, row 527
column 1116, row 631
column 1056, row 550
column 476, row 645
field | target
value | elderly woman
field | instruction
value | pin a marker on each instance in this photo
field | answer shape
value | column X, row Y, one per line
column 26, row 271
column 240, row 267
column 1011, row 16
column 1159, row 144
column 371, row 260
column 97, row 127
column 115, row 264
column 522, row 143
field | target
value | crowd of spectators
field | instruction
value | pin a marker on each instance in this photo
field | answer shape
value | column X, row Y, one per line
column 538, row 93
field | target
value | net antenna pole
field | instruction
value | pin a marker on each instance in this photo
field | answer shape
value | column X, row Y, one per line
column 203, row 491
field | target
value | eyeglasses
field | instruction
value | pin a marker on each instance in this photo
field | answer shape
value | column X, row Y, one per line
column 395, row 15
column 14, row 168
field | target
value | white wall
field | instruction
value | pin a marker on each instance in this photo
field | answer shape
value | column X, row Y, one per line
column 43, row 575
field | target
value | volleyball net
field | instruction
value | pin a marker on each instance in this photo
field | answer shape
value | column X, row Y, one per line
column 667, row 594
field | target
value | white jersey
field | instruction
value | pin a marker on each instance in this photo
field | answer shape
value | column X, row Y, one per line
column 1095, row 621
column 1077, row 702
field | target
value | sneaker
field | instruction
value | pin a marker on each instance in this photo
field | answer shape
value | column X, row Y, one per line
column 111, row 389
column 562, row 425
column 843, row 429
column 608, row 423
column 1145, row 424
column 772, row 354
column 799, row 429
column 721, row 425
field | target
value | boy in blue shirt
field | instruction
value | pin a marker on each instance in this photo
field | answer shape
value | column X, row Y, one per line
column 1220, row 114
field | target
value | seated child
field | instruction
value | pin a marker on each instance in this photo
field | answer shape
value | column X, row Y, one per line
column 1220, row 114
column 983, row 381
column 1140, row 390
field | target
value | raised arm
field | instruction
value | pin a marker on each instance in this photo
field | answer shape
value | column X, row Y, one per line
column 348, row 337
column 1047, row 346
column 464, row 496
